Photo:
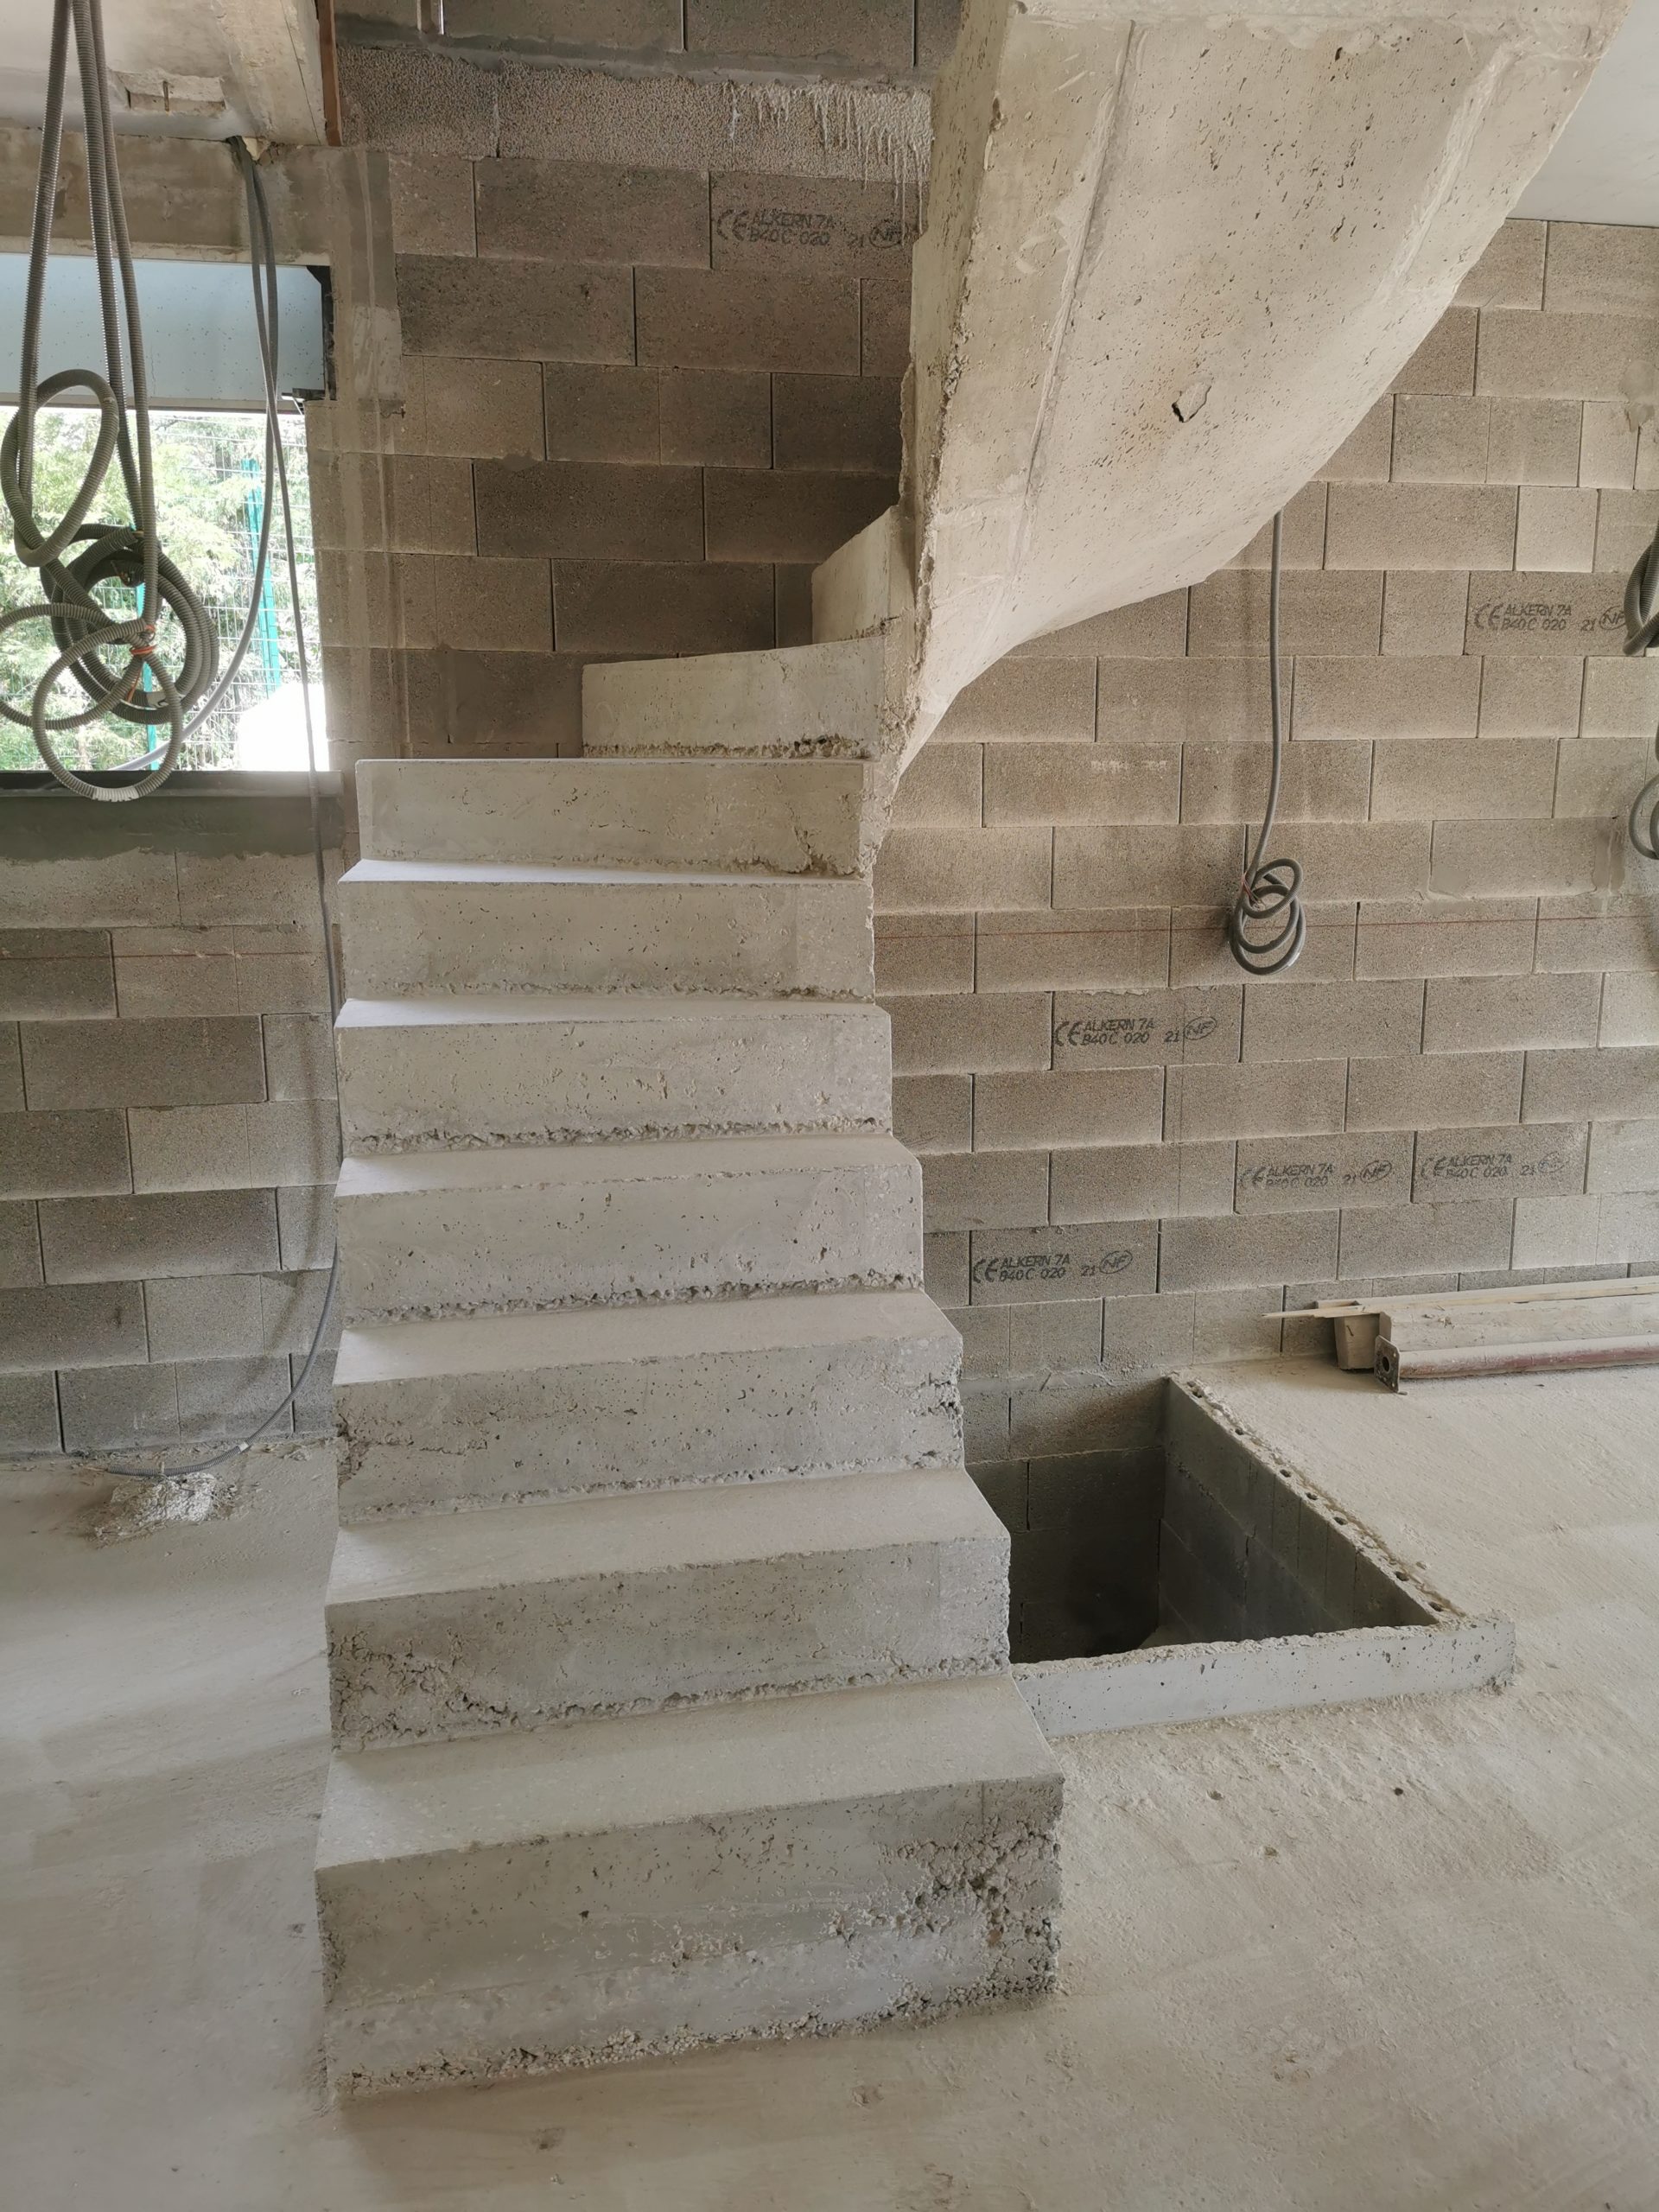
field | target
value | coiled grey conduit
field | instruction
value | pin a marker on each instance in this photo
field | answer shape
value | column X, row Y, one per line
column 1641, row 628
column 1267, row 928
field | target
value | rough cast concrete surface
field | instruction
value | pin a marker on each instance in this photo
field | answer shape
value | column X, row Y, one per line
column 1349, row 1961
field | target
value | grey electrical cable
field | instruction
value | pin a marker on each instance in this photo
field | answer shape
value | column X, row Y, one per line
column 1642, row 627
column 1269, row 892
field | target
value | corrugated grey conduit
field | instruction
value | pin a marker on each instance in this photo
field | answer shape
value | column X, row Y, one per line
column 131, row 553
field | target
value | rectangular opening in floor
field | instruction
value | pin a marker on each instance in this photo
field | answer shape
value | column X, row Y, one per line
column 1266, row 1595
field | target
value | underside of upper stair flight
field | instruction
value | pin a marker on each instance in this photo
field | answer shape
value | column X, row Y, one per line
column 1173, row 253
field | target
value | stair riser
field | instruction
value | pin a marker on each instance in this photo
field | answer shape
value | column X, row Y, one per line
column 476, row 1965
column 417, row 1442
column 789, row 702
column 799, row 818
column 700, row 1071
column 766, row 938
column 464, row 1663
column 475, row 1251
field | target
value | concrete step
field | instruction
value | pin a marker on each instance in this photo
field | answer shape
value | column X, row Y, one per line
column 444, row 1624
column 523, row 1227
column 517, row 1902
column 518, row 1405
column 489, row 1067
column 794, row 817
column 790, row 700
column 463, row 925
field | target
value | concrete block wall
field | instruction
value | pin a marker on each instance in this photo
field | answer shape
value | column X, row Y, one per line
column 640, row 404
column 168, row 1143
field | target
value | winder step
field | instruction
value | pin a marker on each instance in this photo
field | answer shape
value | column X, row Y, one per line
column 789, row 700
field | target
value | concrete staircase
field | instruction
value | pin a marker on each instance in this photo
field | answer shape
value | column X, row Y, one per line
column 666, row 1631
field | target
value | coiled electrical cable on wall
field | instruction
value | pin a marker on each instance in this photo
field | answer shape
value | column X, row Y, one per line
column 1267, row 928
column 129, row 553
column 1640, row 629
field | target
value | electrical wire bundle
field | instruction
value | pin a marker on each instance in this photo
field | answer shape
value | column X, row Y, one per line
column 1267, row 928
column 143, row 690
column 1642, row 627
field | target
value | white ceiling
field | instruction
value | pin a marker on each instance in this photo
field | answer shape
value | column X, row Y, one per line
column 1604, row 168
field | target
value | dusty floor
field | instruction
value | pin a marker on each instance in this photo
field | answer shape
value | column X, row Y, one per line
column 1394, row 1956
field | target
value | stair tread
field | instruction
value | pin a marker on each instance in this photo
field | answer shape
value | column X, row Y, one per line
column 582, row 1336
column 644, row 1533
column 650, row 1769
column 510, row 1167
column 457, row 1009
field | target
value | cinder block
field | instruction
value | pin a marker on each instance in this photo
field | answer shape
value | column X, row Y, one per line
column 1087, row 1412
column 1087, row 1260
column 1612, row 1084
column 1289, row 1099
column 1365, row 454
column 1320, row 612
column 1426, row 1239
column 532, row 211
column 1150, row 630
column 1421, row 527
column 1623, row 1156
column 1441, row 440
column 1440, row 1091
column 190, row 1148
column 1556, row 1232
column 20, row 1244
column 1052, row 699
column 432, row 203
column 1079, row 783
column 205, row 1317
column 515, row 310
column 498, row 606
column 1473, row 936
column 1409, row 696
column 1304, row 1175
column 985, row 1190
column 836, row 422
column 943, row 788
column 1461, row 1164
column 1609, row 445
column 11, row 1070
column 1146, row 1029
column 220, row 1398
column 1329, row 781
column 410, row 502
column 135, row 885
column 629, row 609
column 150, row 986
column 1630, row 1009
column 747, row 318
column 1189, row 703
column 879, row 31
column 1534, row 698
column 1533, row 441
column 1623, row 532
column 1556, row 528
column 1425, row 611
column 143, row 1062
column 1599, row 779
column 1284, row 1019
column 1137, row 1182
column 1365, row 860
column 985, row 1338
column 179, row 1233
column 940, row 1036
column 71, row 1325
column 1200, row 953
column 1627, row 1233
column 652, row 26
column 1499, row 1013
column 1495, row 857
column 814, row 224
column 1238, row 1322
column 1302, row 538
column 985, row 1422
column 256, row 887
column 485, row 409
column 1484, row 779
column 1510, row 272
column 299, row 1050
column 62, row 1155
column 1562, row 356
column 1601, row 268
column 923, row 952
column 290, row 1308
column 934, row 1113
column 580, row 510
column 763, row 514
column 1097, row 866
column 1123, row 946
column 944, row 1266
column 305, row 1224
column 28, row 1414
column 1200, row 1255
column 1446, row 360
column 884, row 326
column 1587, row 934
column 937, row 869
column 118, row 1408
column 1013, row 1113
column 603, row 413
column 55, row 975
column 276, row 973
column 722, row 417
